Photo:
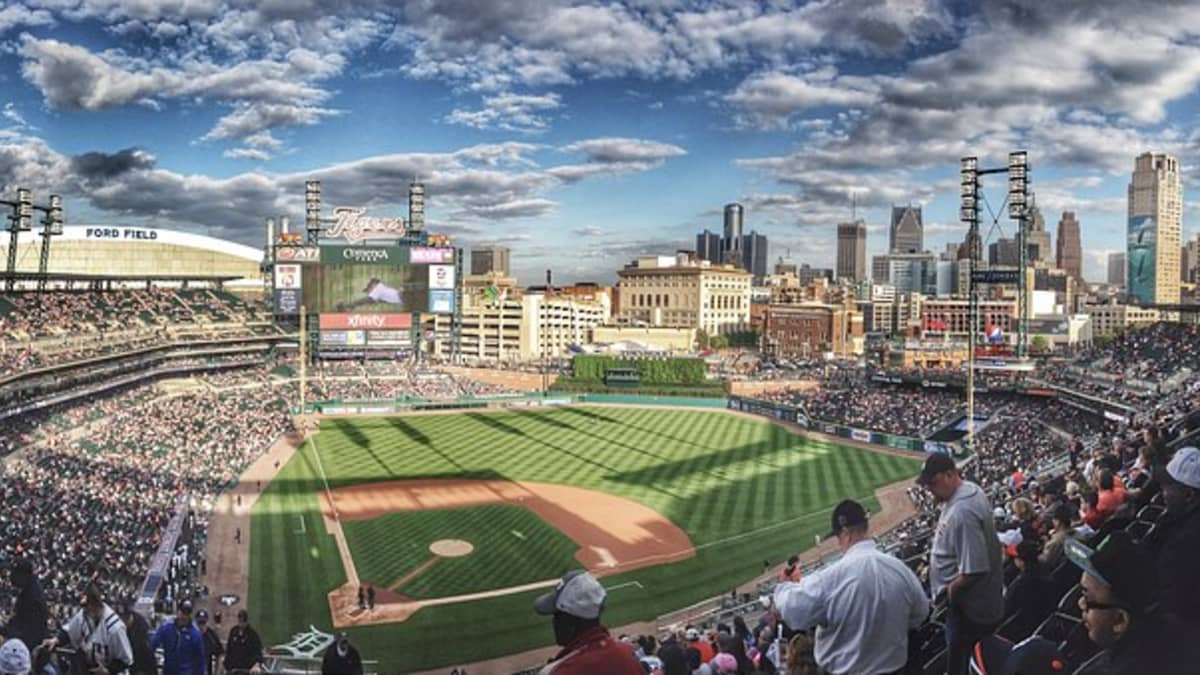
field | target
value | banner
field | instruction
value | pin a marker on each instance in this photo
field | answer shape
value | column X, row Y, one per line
column 441, row 302
column 441, row 277
column 1142, row 250
column 366, row 321
column 363, row 255
column 298, row 253
column 287, row 277
column 287, row 301
column 398, row 338
column 426, row 255
column 860, row 435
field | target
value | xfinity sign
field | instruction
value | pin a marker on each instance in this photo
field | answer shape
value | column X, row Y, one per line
column 351, row 225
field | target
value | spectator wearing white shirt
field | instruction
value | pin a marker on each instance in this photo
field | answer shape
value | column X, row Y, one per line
column 862, row 606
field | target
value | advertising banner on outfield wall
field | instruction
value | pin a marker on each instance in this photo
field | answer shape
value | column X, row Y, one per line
column 366, row 321
column 860, row 435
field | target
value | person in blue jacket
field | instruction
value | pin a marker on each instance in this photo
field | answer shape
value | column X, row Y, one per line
column 182, row 644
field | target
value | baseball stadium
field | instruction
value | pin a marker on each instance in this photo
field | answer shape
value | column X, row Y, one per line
column 266, row 443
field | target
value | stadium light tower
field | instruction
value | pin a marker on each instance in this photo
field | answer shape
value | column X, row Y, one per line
column 312, row 211
column 969, row 214
column 52, row 226
column 20, row 221
column 1018, row 194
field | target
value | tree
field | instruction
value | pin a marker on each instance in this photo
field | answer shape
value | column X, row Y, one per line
column 1039, row 344
column 718, row 342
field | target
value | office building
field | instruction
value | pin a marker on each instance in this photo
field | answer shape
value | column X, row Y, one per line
column 1189, row 261
column 1155, row 230
column 1069, row 253
column 1038, row 239
column 1004, row 252
column 732, row 241
column 708, row 246
column 907, row 233
column 852, row 251
column 754, row 254
column 662, row 291
column 908, row 272
column 490, row 260
column 1116, row 269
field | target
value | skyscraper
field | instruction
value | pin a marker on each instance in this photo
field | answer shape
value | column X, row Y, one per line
column 708, row 246
column 1189, row 260
column 852, row 251
column 907, row 233
column 733, row 235
column 754, row 254
column 490, row 259
column 1116, row 269
column 1069, row 253
column 1038, row 241
column 1155, row 230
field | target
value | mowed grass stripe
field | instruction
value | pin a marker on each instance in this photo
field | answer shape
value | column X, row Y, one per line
column 726, row 480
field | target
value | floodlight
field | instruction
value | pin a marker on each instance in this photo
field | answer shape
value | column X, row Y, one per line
column 969, row 164
column 1019, row 158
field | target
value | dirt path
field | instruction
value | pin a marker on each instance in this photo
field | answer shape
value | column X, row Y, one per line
column 614, row 534
column 895, row 507
column 229, row 562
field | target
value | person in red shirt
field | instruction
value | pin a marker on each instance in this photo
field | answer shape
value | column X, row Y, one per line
column 1112, row 494
column 587, row 646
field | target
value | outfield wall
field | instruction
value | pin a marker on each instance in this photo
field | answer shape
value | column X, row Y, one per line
column 500, row 401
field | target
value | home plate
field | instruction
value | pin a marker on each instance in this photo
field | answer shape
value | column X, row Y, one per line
column 606, row 556
column 451, row 548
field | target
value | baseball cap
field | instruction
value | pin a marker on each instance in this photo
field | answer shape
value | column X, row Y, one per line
column 1184, row 467
column 1125, row 567
column 185, row 606
column 935, row 463
column 847, row 514
column 691, row 635
column 201, row 616
column 14, row 658
column 1034, row 656
column 577, row 593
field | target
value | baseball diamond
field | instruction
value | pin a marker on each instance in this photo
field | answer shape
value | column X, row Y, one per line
column 666, row 506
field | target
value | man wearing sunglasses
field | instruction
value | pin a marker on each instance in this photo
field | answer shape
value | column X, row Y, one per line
column 1119, row 607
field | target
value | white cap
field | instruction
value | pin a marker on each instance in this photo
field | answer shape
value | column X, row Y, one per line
column 1185, row 467
column 14, row 658
column 577, row 593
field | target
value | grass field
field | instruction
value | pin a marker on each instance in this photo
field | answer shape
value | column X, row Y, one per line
column 745, row 491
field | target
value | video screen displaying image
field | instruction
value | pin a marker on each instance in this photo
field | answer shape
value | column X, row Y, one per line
column 380, row 289
column 1141, row 249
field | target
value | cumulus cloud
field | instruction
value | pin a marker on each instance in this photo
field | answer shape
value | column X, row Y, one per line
column 770, row 99
column 476, row 184
column 511, row 112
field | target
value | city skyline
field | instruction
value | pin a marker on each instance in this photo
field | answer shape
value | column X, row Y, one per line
column 582, row 135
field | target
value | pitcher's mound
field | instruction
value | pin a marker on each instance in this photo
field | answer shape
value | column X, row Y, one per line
column 451, row 548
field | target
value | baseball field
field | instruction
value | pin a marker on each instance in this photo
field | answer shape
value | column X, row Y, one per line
column 459, row 520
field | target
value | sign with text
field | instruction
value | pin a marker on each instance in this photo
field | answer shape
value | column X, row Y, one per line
column 441, row 302
column 441, row 276
column 996, row 276
column 433, row 256
column 363, row 255
column 350, row 224
column 298, row 253
column 391, row 338
column 287, row 277
column 287, row 301
column 366, row 321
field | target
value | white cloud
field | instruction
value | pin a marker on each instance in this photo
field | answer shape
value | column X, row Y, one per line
column 511, row 112
column 770, row 99
column 16, row 14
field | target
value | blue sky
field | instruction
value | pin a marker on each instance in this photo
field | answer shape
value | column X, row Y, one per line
column 582, row 134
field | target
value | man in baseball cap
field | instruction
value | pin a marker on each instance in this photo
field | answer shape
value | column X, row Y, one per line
column 1119, row 609
column 14, row 658
column 862, row 606
column 587, row 647
column 1175, row 541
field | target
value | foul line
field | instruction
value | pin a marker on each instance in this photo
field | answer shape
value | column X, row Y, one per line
column 338, row 535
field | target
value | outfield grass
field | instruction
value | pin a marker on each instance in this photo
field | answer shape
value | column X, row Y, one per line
column 386, row 549
column 744, row 490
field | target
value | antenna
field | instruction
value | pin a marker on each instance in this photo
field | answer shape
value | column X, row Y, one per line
column 853, row 205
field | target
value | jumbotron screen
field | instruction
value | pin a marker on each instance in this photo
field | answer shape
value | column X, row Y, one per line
column 380, row 280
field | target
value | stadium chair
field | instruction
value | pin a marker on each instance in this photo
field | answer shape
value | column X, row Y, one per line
column 1078, row 647
column 1150, row 512
column 1138, row 529
column 936, row 665
column 1069, row 604
column 1057, row 627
